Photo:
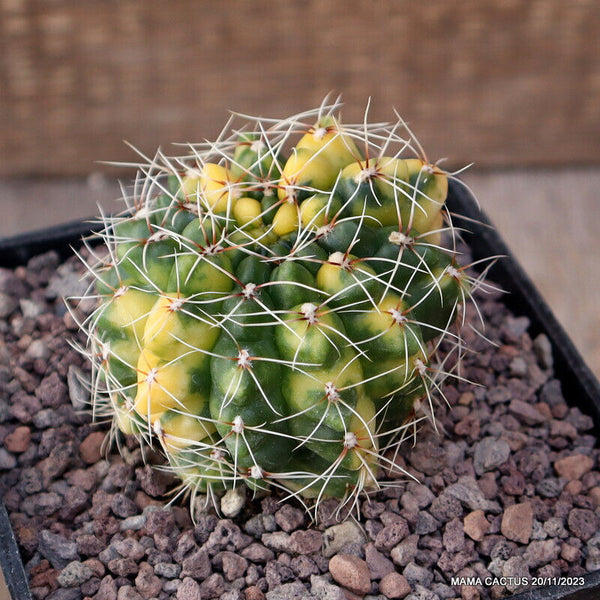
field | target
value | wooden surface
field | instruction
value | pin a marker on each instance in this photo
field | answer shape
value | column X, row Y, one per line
column 549, row 219
column 4, row 593
column 503, row 82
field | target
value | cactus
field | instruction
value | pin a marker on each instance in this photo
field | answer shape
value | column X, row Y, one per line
column 271, row 307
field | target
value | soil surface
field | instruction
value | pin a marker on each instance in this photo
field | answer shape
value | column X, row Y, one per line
column 508, row 490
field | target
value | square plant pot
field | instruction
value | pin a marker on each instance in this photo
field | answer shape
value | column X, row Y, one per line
column 579, row 385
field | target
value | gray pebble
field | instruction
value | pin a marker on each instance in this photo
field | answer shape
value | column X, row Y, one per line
column 583, row 523
column 46, row 418
column 4, row 410
column 167, row 570
column 516, row 326
column 579, row 420
column 8, row 461
column 446, row 507
column 65, row 594
column 526, row 413
column 8, row 305
column 592, row 562
column 518, row 367
column 129, row 548
column 290, row 591
column 551, row 393
column 30, row 309
column 489, row 454
column 44, row 503
column 470, row 495
column 74, row 574
column 426, row 523
column 31, row 481
column 543, row 351
column 135, row 523
column 417, row 575
column 423, row 495
column 551, row 487
column 66, row 283
column 498, row 395
column 278, row 541
column 422, row 593
column 537, row 531
column 122, row 506
column 516, row 569
column 37, row 350
column 541, row 552
column 79, row 392
column 171, row 586
column 338, row 536
column 212, row 587
column 196, row 565
column 128, row 592
column 56, row 549
column 188, row 589
column 443, row 591
column 555, row 527
column 453, row 537
column 233, row 501
column 323, row 589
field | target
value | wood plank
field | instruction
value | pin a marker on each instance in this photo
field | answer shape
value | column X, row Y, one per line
column 504, row 82
column 550, row 221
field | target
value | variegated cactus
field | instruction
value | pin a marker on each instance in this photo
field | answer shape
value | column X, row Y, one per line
column 271, row 304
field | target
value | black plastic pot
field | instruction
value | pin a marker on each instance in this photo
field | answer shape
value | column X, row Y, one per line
column 578, row 383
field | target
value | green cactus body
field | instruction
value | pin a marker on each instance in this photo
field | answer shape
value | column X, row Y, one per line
column 275, row 321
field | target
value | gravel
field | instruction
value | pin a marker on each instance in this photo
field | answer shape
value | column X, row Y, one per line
column 511, row 487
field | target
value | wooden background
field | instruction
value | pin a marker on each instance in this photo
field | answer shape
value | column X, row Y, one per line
column 498, row 83
column 512, row 86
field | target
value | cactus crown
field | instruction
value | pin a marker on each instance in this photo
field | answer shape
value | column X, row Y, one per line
column 271, row 305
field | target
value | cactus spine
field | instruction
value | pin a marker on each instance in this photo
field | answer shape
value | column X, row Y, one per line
column 271, row 305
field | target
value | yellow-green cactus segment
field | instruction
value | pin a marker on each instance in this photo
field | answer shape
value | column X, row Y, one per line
column 390, row 376
column 124, row 415
column 247, row 211
column 348, row 281
column 286, row 219
column 324, row 394
column 201, row 266
column 436, row 228
column 165, row 385
column 309, row 335
column 121, row 323
column 375, row 189
column 384, row 330
column 427, row 192
column 305, row 170
column 212, row 185
column 345, row 462
column 125, row 312
column 327, row 137
column 175, row 327
column 179, row 430
column 202, row 468
column 318, row 210
column 121, row 356
column 254, row 162
column 435, row 305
